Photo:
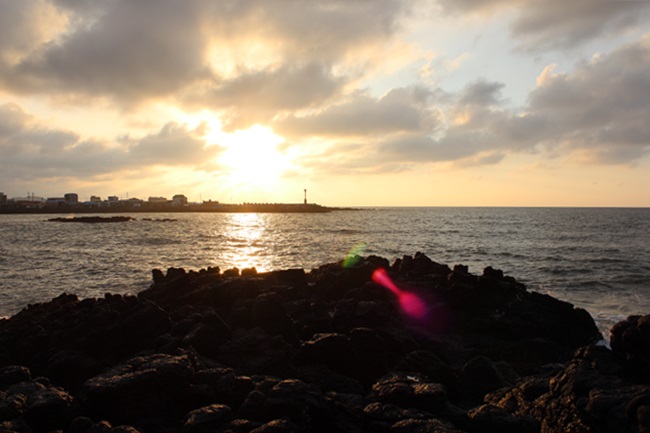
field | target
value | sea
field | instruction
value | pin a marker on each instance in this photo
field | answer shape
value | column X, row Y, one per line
column 596, row 258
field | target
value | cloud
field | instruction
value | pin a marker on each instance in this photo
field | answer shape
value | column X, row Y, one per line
column 482, row 92
column 134, row 50
column 327, row 30
column 602, row 103
column 547, row 25
column 400, row 110
column 455, row 7
column 299, row 67
column 173, row 145
column 131, row 51
column 24, row 26
column 259, row 96
column 12, row 119
column 32, row 151
column 551, row 25
column 596, row 113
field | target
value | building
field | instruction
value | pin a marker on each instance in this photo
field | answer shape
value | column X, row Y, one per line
column 3, row 198
column 71, row 198
column 95, row 199
column 55, row 201
column 179, row 200
column 157, row 200
column 131, row 202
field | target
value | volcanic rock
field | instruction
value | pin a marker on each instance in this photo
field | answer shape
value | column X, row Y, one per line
column 329, row 350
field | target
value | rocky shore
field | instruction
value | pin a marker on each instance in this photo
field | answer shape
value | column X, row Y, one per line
column 343, row 348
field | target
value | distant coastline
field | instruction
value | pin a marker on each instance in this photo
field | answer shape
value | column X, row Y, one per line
column 167, row 208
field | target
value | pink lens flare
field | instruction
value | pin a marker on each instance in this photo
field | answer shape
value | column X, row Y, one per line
column 410, row 303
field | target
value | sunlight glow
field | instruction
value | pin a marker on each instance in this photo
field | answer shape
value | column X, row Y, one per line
column 249, row 161
column 251, row 157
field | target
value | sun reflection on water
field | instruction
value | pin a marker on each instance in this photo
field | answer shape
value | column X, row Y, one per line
column 245, row 238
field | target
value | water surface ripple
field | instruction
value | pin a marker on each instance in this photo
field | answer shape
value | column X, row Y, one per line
column 598, row 259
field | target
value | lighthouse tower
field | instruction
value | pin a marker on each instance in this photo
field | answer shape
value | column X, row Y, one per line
column 305, row 196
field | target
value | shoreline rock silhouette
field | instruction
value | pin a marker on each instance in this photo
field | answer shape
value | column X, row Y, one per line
column 329, row 350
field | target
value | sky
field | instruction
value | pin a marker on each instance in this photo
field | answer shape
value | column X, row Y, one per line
column 361, row 102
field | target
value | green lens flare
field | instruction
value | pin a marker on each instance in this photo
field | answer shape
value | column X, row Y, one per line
column 354, row 256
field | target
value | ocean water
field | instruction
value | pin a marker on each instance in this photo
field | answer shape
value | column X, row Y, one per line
column 595, row 258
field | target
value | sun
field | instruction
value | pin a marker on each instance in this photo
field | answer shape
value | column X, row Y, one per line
column 251, row 157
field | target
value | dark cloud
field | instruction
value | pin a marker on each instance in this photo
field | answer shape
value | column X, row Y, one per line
column 472, row 6
column 173, row 145
column 257, row 97
column 400, row 110
column 135, row 50
column 482, row 92
column 546, row 25
column 18, row 25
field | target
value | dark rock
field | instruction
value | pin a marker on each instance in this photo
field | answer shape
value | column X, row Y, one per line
column 490, row 272
column 330, row 381
column 334, row 280
column 93, row 219
column 278, row 426
column 71, row 367
column 409, row 391
column 124, row 429
column 329, row 351
column 298, row 402
column 269, row 313
column 157, row 276
column 586, row 396
column 380, row 417
column 462, row 269
column 249, row 272
column 80, row 424
column 49, row 409
column 63, row 338
column 492, row 419
column 428, row 364
column 206, row 335
column 231, row 273
column 144, row 392
column 15, row 426
column 479, row 377
column 630, row 339
column 429, row 425
column 254, row 351
column 12, row 406
column 207, row 418
column 292, row 277
column 420, row 264
column 225, row 385
column 240, row 426
column 13, row 374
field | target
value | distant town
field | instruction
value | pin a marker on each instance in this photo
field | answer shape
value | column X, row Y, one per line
column 70, row 203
